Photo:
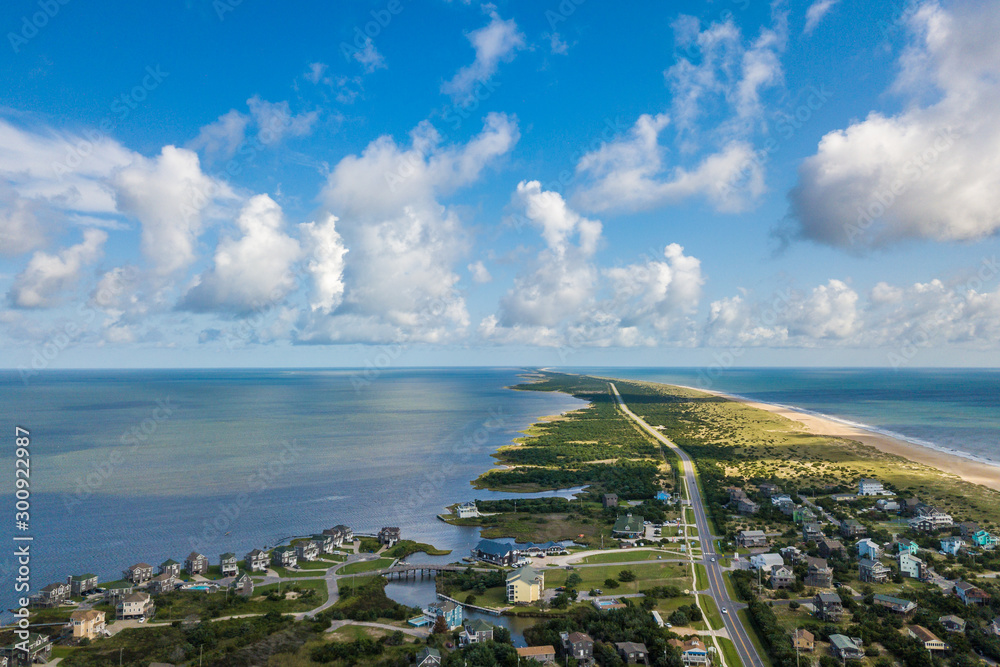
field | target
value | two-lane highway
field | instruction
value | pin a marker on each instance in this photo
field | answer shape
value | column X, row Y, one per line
column 717, row 587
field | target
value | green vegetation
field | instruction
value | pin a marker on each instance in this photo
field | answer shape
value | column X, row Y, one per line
column 732, row 442
column 222, row 643
column 404, row 548
column 300, row 596
column 595, row 446
column 700, row 577
column 364, row 599
column 617, row 625
column 712, row 613
column 365, row 566
column 368, row 545
column 729, row 653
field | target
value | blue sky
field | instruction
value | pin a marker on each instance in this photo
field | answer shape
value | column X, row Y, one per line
column 235, row 183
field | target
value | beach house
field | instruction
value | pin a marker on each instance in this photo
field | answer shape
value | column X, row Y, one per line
column 971, row 595
column 803, row 515
column 87, row 624
column 525, row 585
column 869, row 548
column 306, row 550
column 451, row 612
column 632, row 653
column 873, row 571
column 138, row 573
column 118, row 590
column 196, row 563
column 388, row 535
column 428, row 657
column 81, row 584
column 985, row 539
column 498, row 553
column 542, row 654
column 952, row 545
column 911, row 566
column 475, row 632
column 908, row 546
column 579, row 646
column 818, row 573
column 782, row 576
column 930, row 519
column 693, row 651
column 887, row 505
column 811, row 532
column 242, row 584
column 852, row 528
column 284, row 557
column 926, row 637
column 749, row 539
column 952, row 623
column 162, row 583
column 467, row 510
column 324, row 543
column 829, row 606
column 767, row 489
column 803, row 640
column 52, row 595
column 257, row 560
column 765, row 561
column 171, row 567
column 629, row 526
column 335, row 535
column 897, row 605
column 828, row 548
column 36, row 648
column 846, row 648
column 137, row 605
column 870, row 487
column 227, row 564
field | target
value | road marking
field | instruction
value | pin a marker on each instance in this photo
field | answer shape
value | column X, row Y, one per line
column 687, row 465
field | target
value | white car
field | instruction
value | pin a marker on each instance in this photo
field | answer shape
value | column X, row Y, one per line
column 713, row 559
column 725, row 611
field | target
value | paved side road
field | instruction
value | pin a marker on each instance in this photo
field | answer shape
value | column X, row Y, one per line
column 747, row 652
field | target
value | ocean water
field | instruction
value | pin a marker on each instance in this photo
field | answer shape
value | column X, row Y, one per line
column 953, row 410
column 132, row 466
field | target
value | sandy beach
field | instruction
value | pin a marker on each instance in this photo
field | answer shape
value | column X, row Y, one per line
column 968, row 469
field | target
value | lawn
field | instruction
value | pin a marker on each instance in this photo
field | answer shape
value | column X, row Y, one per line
column 700, row 577
column 647, row 576
column 404, row 548
column 745, row 618
column 524, row 527
column 298, row 596
column 365, row 566
column 627, row 556
column 729, row 654
column 712, row 613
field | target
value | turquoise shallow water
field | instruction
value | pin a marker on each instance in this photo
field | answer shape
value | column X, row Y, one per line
column 132, row 466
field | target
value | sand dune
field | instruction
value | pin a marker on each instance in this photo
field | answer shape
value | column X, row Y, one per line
column 976, row 472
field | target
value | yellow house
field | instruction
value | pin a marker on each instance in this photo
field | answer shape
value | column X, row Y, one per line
column 525, row 585
column 87, row 624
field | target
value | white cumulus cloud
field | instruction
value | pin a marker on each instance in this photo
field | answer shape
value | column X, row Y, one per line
column 253, row 271
column 47, row 276
column 929, row 172
column 494, row 43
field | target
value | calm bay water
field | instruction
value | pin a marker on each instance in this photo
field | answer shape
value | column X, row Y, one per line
column 955, row 410
column 132, row 466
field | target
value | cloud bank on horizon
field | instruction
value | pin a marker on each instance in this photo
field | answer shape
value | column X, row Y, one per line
column 705, row 180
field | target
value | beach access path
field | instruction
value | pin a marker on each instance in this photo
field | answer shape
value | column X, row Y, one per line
column 717, row 587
